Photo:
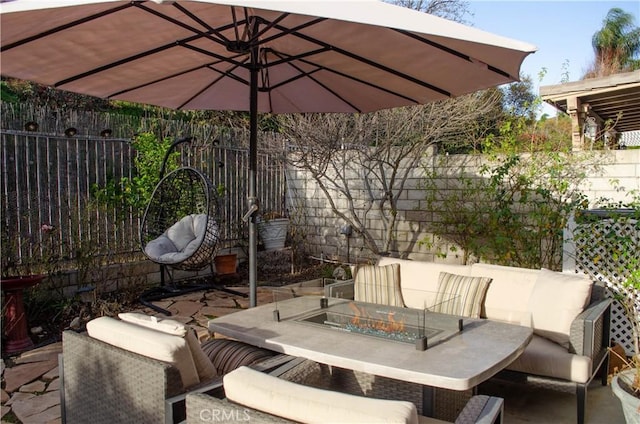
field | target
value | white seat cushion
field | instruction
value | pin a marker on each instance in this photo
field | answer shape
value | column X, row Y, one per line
column 304, row 404
column 546, row 358
column 150, row 343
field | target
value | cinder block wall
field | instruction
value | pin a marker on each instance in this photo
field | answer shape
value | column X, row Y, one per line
column 322, row 229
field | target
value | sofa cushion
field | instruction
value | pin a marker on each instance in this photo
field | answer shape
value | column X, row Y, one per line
column 147, row 342
column 508, row 294
column 460, row 294
column 546, row 358
column 296, row 402
column 206, row 370
column 556, row 300
column 378, row 284
column 419, row 279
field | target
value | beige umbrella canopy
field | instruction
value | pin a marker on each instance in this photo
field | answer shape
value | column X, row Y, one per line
column 256, row 56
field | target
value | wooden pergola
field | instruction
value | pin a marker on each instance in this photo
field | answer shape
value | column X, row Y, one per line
column 604, row 106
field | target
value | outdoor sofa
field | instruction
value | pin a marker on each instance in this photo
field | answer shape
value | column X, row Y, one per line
column 141, row 371
column 569, row 315
column 257, row 397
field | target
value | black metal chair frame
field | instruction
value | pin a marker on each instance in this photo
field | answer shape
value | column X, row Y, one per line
column 182, row 192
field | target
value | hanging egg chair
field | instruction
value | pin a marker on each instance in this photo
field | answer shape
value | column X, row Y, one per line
column 179, row 228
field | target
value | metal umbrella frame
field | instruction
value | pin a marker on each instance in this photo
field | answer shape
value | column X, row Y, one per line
column 252, row 55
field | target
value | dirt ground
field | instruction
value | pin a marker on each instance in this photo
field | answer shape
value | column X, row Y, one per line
column 48, row 317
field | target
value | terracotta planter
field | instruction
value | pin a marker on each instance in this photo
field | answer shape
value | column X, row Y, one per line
column 15, row 317
column 273, row 233
column 630, row 403
column 225, row 264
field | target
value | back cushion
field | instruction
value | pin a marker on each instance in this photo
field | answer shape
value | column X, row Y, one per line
column 305, row 404
column 556, row 300
column 508, row 294
column 204, row 367
column 189, row 228
column 150, row 343
column 419, row 279
column 378, row 284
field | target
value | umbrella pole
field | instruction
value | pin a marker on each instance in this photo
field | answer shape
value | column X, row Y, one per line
column 253, row 177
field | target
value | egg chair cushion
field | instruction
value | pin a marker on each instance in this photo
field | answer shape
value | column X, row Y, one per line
column 180, row 241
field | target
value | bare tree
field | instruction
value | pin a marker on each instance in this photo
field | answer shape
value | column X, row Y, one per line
column 455, row 10
column 362, row 162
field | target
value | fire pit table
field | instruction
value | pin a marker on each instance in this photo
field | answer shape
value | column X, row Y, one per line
column 464, row 352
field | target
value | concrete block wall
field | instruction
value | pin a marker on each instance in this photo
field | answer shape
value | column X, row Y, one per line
column 323, row 228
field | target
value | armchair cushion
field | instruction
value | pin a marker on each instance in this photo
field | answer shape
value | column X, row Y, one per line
column 150, row 343
column 460, row 294
column 378, row 284
column 300, row 403
column 205, row 368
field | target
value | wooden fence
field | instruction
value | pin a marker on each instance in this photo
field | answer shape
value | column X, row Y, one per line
column 48, row 213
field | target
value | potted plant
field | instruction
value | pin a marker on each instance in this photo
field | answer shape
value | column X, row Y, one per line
column 272, row 229
column 626, row 382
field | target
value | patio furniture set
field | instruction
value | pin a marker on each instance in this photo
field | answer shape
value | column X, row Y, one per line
column 282, row 364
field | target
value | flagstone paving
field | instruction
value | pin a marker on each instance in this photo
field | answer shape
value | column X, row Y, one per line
column 31, row 385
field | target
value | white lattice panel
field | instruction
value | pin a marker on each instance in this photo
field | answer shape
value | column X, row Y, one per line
column 593, row 250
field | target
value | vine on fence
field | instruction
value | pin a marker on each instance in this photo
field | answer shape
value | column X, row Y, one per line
column 136, row 192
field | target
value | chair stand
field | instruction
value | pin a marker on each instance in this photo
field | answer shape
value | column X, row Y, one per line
column 165, row 291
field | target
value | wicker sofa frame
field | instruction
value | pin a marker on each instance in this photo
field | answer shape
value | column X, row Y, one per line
column 103, row 384
column 589, row 336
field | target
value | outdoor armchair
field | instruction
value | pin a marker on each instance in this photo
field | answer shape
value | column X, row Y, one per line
column 104, row 383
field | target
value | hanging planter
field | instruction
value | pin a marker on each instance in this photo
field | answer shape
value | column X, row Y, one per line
column 273, row 232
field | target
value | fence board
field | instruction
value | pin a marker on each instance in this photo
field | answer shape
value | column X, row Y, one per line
column 48, row 179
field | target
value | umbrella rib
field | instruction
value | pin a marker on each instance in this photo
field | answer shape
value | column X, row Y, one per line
column 64, row 27
column 177, row 74
column 290, row 59
column 201, row 22
column 372, row 63
column 452, row 52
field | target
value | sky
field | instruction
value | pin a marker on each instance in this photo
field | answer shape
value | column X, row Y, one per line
column 562, row 31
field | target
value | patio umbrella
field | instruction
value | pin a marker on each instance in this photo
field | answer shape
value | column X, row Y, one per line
column 256, row 56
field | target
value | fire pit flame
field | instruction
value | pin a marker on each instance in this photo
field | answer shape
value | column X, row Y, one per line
column 363, row 320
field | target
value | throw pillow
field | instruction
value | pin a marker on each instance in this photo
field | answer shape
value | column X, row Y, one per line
column 460, row 294
column 378, row 284
column 556, row 300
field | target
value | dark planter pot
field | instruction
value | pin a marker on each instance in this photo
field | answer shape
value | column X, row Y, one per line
column 225, row 264
column 15, row 318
